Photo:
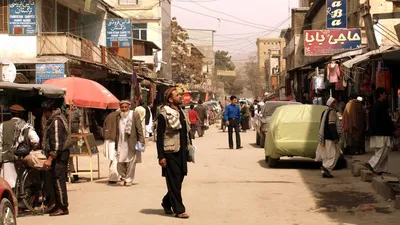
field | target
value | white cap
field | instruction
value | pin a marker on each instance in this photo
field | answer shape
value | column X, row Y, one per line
column 359, row 98
column 330, row 101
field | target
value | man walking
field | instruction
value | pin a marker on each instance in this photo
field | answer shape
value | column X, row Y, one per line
column 149, row 121
column 381, row 130
column 328, row 150
column 232, row 118
column 193, row 119
column 57, row 152
column 129, row 132
column 172, row 147
column 13, row 134
column 202, row 112
column 354, row 126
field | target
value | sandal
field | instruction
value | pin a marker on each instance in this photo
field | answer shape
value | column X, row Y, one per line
column 182, row 216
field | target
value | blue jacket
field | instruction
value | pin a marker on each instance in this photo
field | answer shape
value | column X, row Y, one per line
column 232, row 112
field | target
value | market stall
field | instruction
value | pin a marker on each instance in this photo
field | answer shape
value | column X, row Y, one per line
column 85, row 93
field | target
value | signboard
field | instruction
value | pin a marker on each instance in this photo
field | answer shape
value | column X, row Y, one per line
column 49, row 71
column 226, row 73
column 119, row 33
column 22, row 17
column 336, row 14
column 329, row 42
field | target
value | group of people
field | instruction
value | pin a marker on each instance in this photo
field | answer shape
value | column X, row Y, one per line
column 123, row 131
column 197, row 119
column 17, row 133
column 355, row 125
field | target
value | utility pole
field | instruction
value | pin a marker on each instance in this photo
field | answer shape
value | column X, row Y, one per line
column 166, row 70
column 369, row 27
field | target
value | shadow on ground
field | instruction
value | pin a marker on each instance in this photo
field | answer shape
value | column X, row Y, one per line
column 293, row 163
column 159, row 212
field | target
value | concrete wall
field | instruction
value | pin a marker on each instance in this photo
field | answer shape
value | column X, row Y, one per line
column 18, row 47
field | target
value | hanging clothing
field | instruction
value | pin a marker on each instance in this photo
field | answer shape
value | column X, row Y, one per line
column 318, row 83
column 333, row 72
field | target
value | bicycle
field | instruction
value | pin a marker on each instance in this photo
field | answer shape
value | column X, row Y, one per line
column 30, row 188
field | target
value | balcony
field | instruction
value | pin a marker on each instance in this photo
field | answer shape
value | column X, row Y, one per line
column 56, row 43
column 68, row 44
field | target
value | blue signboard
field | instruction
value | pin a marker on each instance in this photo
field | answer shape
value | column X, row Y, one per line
column 118, row 33
column 336, row 14
column 22, row 17
column 49, row 71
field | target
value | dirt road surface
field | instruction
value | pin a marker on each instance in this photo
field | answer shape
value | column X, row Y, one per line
column 226, row 187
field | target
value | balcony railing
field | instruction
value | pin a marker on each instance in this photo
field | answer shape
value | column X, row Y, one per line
column 56, row 43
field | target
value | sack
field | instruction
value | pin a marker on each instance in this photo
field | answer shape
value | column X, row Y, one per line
column 192, row 150
column 35, row 159
column 139, row 147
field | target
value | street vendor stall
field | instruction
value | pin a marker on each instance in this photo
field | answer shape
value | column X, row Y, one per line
column 85, row 93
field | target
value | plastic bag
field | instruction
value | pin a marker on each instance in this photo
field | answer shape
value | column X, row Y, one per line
column 139, row 147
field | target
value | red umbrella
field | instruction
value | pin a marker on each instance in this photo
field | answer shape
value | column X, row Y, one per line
column 85, row 93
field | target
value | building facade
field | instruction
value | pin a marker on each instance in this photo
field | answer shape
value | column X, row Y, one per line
column 270, row 61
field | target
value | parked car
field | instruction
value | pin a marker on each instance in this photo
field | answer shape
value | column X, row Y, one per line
column 8, row 204
column 263, row 118
column 293, row 131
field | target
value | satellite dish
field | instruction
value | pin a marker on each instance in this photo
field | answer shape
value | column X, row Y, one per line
column 8, row 71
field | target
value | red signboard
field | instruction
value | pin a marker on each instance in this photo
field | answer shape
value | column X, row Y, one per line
column 329, row 42
column 187, row 98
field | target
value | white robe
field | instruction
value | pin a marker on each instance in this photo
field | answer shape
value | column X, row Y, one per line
column 123, row 148
column 328, row 154
column 382, row 145
column 149, row 128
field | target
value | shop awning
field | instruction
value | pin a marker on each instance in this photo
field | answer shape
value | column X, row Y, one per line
column 33, row 89
column 350, row 53
column 147, row 59
column 358, row 59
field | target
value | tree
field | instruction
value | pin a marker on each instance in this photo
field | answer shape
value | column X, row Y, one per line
column 187, row 67
column 232, row 86
column 254, row 82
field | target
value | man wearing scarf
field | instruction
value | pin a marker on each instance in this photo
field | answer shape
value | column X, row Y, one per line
column 328, row 150
column 172, row 147
column 129, row 132
column 55, row 136
column 13, row 133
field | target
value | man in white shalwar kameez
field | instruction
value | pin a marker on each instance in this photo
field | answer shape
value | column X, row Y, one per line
column 381, row 129
column 328, row 150
column 129, row 132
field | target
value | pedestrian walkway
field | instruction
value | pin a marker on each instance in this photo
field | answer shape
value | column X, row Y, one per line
column 225, row 187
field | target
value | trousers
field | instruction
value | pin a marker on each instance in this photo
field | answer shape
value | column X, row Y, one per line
column 174, row 179
column 59, row 172
column 233, row 124
column 127, row 170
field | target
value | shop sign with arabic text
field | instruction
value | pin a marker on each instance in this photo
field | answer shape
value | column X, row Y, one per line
column 119, row 33
column 22, row 17
column 336, row 14
column 49, row 71
column 329, row 42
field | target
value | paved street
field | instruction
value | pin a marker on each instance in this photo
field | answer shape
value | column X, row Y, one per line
column 227, row 187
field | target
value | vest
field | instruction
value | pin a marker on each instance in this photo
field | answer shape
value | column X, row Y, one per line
column 8, row 139
column 172, row 137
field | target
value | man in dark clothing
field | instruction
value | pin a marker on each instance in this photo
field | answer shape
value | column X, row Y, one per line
column 55, row 138
column 202, row 111
column 381, row 129
column 172, row 151
column 232, row 118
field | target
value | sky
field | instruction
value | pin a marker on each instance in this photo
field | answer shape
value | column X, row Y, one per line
column 238, row 23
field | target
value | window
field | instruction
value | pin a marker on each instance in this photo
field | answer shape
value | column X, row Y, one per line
column 140, row 31
column 128, row 2
column 3, row 16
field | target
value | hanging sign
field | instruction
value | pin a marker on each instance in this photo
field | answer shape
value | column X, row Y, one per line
column 49, row 71
column 336, row 14
column 118, row 33
column 329, row 42
column 22, row 17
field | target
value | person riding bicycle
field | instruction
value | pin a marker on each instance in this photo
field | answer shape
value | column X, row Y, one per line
column 55, row 139
column 14, row 134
